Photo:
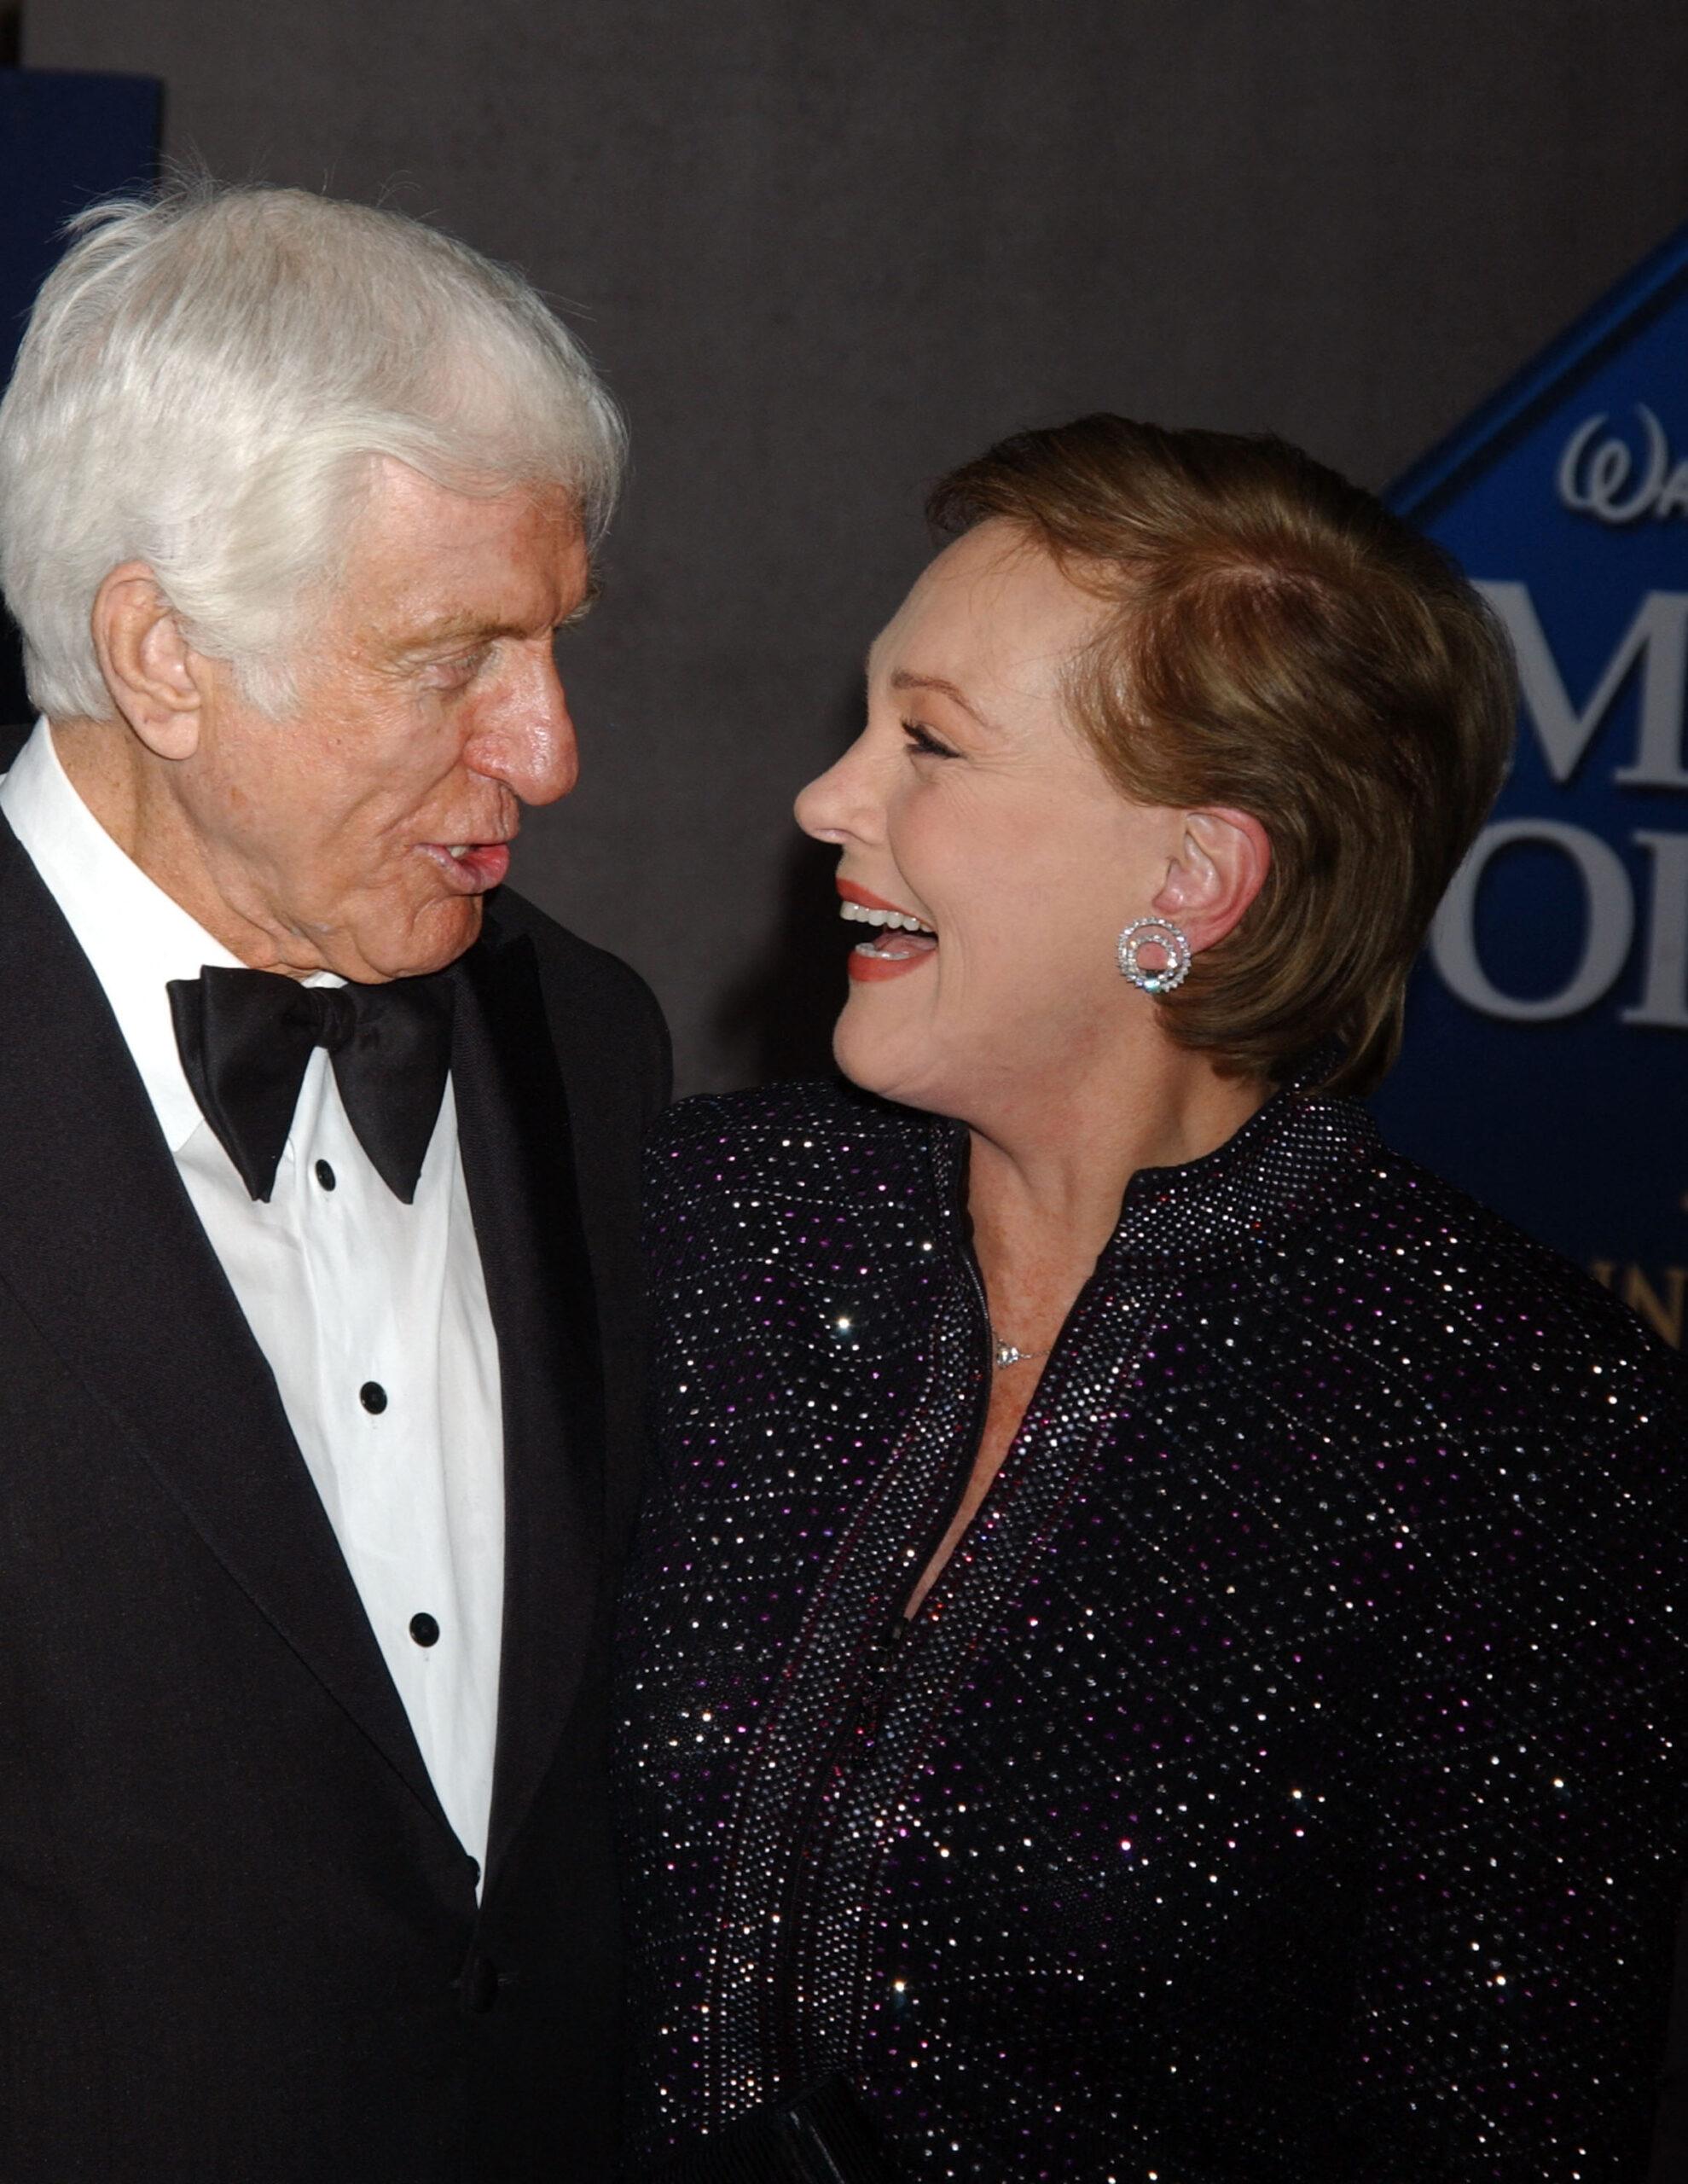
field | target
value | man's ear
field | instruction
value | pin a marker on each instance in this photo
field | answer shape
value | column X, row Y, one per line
column 154, row 674
column 1219, row 868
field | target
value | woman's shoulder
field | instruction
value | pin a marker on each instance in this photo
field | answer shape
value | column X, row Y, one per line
column 812, row 1132
column 1510, row 1309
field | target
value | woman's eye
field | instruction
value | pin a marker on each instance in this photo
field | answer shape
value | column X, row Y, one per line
column 921, row 739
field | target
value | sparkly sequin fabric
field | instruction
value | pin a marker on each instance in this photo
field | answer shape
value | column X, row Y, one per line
column 1278, row 1783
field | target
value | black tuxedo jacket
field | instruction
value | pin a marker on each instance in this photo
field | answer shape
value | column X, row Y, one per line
column 238, row 1937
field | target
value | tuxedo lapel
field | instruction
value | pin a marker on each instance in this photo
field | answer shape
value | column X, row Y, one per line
column 106, row 1254
column 518, row 1162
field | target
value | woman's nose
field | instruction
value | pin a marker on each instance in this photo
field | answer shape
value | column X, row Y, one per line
column 842, row 803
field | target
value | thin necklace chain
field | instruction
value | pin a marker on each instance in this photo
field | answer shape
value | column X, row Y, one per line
column 1006, row 1353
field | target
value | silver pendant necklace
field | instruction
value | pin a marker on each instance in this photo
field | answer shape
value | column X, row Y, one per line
column 1010, row 1353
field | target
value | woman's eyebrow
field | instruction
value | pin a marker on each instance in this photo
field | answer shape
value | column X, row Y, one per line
column 906, row 678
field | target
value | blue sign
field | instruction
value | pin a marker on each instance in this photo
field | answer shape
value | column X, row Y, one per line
column 65, row 140
column 1545, row 1065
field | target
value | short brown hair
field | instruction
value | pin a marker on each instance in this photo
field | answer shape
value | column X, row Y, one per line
column 1279, row 643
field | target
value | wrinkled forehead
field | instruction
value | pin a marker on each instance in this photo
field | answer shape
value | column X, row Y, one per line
column 422, row 552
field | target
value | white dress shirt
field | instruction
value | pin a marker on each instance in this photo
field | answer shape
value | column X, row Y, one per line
column 372, row 1313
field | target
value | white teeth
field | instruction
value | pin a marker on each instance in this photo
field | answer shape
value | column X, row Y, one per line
column 458, row 848
column 899, row 921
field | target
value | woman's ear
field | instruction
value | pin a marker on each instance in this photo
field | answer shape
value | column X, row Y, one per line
column 152, row 671
column 1220, row 866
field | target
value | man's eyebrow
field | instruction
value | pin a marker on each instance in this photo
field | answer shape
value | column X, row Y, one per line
column 478, row 629
column 453, row 630
column 906, row 678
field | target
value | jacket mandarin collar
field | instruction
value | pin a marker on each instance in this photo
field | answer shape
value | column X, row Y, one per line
column 1289, row 1163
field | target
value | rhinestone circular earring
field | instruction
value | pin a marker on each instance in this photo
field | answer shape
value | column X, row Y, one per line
column 1158, row 932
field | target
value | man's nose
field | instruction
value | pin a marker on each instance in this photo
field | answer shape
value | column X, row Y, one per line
column 530, row 742
column 845, row 802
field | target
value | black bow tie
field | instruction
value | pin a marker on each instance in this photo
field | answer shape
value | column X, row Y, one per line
column 246, row 1039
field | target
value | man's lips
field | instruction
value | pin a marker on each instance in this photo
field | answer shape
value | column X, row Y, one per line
column 471, row 868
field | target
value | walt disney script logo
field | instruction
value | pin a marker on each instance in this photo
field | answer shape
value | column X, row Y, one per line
column 1614, row 483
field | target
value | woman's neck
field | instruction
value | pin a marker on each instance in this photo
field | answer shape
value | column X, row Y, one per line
column 1045, row 1183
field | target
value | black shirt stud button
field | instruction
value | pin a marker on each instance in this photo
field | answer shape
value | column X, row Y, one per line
column 424, row 1630
column 325, row 1175
column 373, row 1396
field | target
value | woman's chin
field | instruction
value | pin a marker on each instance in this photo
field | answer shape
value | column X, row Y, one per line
column 895, row 1066
column 852, row 1052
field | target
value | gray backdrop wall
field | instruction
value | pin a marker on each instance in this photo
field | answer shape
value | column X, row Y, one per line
column 822, row 251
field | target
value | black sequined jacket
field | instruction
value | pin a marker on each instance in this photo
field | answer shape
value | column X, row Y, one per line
column 1278, row 1783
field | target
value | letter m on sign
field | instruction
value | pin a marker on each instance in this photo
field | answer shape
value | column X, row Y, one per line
column 1656, row 644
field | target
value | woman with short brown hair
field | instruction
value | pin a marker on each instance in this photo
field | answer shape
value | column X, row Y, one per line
column 1150, row 1655
column 1269, row 636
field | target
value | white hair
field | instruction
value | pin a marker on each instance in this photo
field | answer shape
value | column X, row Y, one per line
column 205, row 382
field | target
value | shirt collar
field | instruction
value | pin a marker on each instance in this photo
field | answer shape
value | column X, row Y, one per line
column 135, row 936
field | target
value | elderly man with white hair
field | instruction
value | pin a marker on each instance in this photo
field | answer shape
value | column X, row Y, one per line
column 318, row 1304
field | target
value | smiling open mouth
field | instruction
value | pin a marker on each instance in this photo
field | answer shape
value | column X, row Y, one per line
column 901, row 934
column 900, row 942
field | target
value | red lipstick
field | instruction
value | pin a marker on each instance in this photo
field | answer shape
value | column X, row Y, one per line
column 894, row 951
column 852, row 893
